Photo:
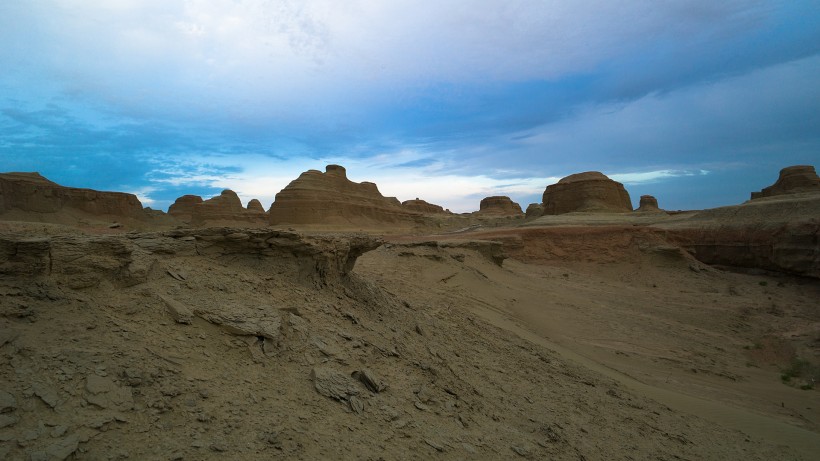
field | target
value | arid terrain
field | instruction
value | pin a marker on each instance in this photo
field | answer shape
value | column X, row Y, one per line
column 402, row 331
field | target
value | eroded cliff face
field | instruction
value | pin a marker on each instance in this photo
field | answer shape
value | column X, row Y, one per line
column 499, row 205
column 32, row 193
column 780, row 235
column 792, row 180
column 83, row 261
column 586, row 192
column 330, row 198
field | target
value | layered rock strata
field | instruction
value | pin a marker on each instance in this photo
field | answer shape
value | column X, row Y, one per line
column 31, row 192
column 586, row 192
column 499, row 205
column 330, row 198
column 648, row 203
column 421, row 206
column 792, row 180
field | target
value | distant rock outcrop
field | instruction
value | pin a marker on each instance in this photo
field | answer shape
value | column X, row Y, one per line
column 255, row 206
column 648, row 203
column 588, row 192
column 534, row 210
column 224, row 208
column 421, row 206
column 31, row 192
column 792, row 180
column 183, row 207
column 330, row 198
column 499, row 205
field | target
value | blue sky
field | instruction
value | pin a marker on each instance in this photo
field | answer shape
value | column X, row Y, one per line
column 696, row 102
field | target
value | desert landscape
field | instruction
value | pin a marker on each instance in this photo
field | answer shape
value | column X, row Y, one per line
column 342, row 324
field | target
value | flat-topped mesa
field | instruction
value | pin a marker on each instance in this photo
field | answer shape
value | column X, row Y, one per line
column 586, row 192
column 421, row 206
column 648, row 204
column 224, row 208
column 499, row 205
column 793, row 180
column 31, row 192
column 330, row 198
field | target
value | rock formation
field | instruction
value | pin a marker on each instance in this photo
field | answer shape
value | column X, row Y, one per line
column 499, row 205
column 183, row 207
column 534, row 210
column 32, row 193
column 330, row 198
column 255, row 206
column 792, row 180
column 224, row 208
column 588, row 192
column 648, row 203
column 421, row 206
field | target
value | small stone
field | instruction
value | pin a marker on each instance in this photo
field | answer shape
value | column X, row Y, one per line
column 370, row 380
column 8, row 420
column 436, row 445
column 356, row 405
column 7, row 402
column 46, row 393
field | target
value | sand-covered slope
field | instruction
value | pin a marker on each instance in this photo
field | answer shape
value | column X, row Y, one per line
column 258, row 344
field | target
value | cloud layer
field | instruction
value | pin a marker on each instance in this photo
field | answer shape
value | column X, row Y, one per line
column 447, row 101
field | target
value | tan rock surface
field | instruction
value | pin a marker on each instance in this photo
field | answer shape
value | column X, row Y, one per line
column 792, row 180
column 648, row 203
column 223, row 209
column 421, row 206
column 586, row 192
column 499, row 205
column 32, row 193
column 330, row 198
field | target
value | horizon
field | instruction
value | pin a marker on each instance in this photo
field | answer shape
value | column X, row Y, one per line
column 696, row 103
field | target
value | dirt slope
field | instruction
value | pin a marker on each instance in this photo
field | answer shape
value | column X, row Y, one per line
column 260, row 344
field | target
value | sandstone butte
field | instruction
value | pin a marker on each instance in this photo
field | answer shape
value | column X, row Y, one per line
column 499, row 205
column 534, row 210
column 421, row 206
column 225, row 207
column 31, row 192
column 792, row 180
column 588, row 192
column 330, row 198
column 648, row 203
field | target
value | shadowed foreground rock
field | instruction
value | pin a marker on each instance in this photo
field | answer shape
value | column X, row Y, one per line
column 587, row 192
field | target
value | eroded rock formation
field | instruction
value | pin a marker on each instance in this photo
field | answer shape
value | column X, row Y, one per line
column 534, row 210
column 225, row 208
column 587, row 192
column 183, row 207
column 33, row 193
column 421, row 206
column 792, row 180
column 499, row 205
column 648, row 203
column 84, row 261
column 330, row 198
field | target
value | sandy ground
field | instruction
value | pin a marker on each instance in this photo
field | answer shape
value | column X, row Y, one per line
column 614, row 350
column 697, row 339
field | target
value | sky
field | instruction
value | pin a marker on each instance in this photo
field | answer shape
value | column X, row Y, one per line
column 697, row 102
